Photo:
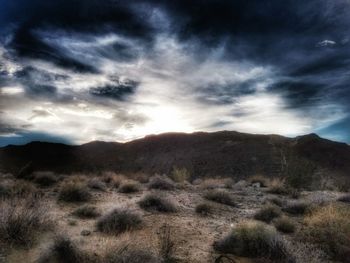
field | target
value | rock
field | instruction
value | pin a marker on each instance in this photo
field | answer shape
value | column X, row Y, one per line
column 256, row 185
column 85, row 233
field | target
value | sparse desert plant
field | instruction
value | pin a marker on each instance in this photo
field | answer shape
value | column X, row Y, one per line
column 128, row 188
column 5, row 190
column 86, row 211
column 161, row 183
column 221, row 197
column 21, row 220
column 45, row 179
column 277, row 186
column 63, row 250
column 166, row 244
column 285, row 225
column 256, row 240
column 180, row 175
column 213, row 183
column 25, row 171
column 141, row 178
column 133, row 255
column 74, row 192
column 96, row 184
column 268, row 213
column 23, row 189
column 204, row 209
column 296, row 207
column 344, row 198
column 260, row 179
column 118, row 221
column 329, row 227
column 156, row 202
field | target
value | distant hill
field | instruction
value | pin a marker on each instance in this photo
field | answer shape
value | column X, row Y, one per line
column 224, row 153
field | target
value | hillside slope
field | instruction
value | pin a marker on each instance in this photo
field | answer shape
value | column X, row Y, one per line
column 223, row 153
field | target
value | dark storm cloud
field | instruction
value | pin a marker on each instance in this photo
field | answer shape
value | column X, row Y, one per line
column 118, row 91
column 303, row 45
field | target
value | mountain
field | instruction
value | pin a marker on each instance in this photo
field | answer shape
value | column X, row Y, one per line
column 224, row 153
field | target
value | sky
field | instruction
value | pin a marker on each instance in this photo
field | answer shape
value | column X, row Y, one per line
column 75, row 71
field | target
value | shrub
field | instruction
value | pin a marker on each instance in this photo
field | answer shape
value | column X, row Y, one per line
column 26, row 171
column 262, row 180
column 220, row 197
column 154, row 202
column 160, row 183
column 5, row 191
column 45, row 179
column 126, row 255
column 167, row 246
column 21, row 221
column 128, row 188
column 96, row 184
column 329, row 227
column 23, row 189
column 86, row 211
column 344, row 198
column 267, row 213
column 74, row 192
column 118, row 221
column 296, row 208
column 285, row 225
column 252, row 239
column 63, row 250
column 278, row 189
column 180, row 175
column 204, row 209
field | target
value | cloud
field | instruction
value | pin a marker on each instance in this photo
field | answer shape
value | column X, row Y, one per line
column 115, row 70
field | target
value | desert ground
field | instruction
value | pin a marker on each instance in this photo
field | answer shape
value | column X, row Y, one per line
column 110, row 217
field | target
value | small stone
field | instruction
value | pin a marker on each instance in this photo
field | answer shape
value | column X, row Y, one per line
column 85, row 233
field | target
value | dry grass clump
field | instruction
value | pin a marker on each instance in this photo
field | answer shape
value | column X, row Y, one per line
column 166, row 244
column 277, row 201
column 256, row 240
column 277, row 186
column 161, row 183
column 221, row 197
column 156, row 202
column 285, row 225
column 128, row 188
column 118, row 221
column 204, row 209
column 45, row 179
column 63, row 250
column 344, row 198
column 297, row 207
column 140, row 177
column 180, row 175
column 96, row 184
column 22, row 220
column 5, row 190
column 133, row 255
column 23, row 189
column 262, row 180
column 86, row 211
column 213, row 183
column 329, row 227
column 268, row 213
column 74, row 192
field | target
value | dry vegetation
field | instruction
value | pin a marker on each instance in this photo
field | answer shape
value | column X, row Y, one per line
column 155, row 219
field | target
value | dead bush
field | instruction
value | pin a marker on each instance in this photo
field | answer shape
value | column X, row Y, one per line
column 255, row 240
column 21, row 220
column 221, row 197
column 128, row 188
column 285, row 225
column 268, row 213
column 97, row 184
column 118, row 221
column 329, row 227
column 45, row 179
column 86, row 211
column 204, row 209
column 166, row 244
column 296, row 207
column 156, row 202
column 180, row 175
column 161, row 183
column 74, row 192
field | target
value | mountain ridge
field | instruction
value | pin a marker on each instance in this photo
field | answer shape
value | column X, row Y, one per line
column 223, row 153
